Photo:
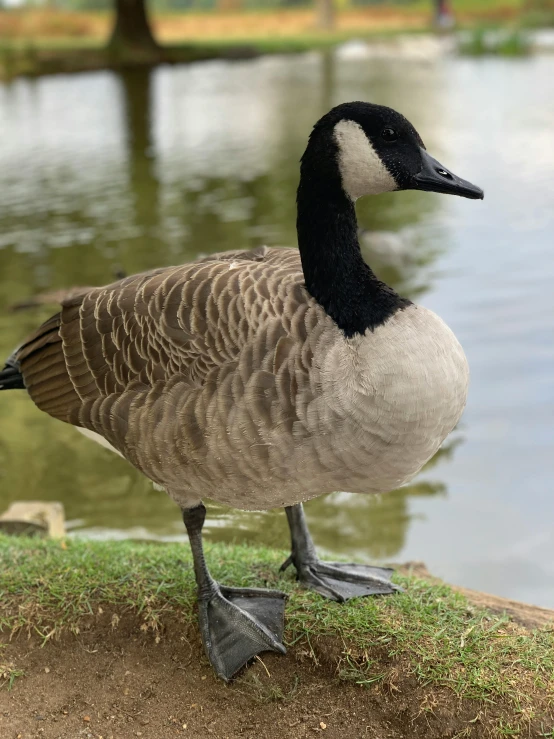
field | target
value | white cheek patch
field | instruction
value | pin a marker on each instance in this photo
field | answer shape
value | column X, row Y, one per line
column 362, row 171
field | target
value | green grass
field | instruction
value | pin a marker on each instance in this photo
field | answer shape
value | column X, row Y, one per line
column 429, row 631
column 483, row 42
column 44, row 54
column 41, row 56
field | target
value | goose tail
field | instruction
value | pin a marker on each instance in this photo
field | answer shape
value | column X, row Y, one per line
column 11, row 377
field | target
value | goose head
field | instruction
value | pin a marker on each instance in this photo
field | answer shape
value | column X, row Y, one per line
column 373, row 149
column 358, row 149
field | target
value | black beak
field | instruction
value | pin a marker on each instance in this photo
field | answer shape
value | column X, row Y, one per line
column 433, row 177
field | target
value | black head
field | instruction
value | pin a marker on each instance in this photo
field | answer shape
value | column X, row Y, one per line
column 377, row 150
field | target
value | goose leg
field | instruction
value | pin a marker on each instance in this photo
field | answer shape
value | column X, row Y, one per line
column 334, row 580
column 236, row 623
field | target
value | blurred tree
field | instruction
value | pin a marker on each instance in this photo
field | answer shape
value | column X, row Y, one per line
column 132, row 35
column 325, row 14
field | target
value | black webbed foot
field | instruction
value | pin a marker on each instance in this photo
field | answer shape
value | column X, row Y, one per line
column 339, row 581
column 236, row 623
column 334, row 580
column 239, row 623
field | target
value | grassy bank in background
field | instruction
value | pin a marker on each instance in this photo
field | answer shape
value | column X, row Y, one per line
column 498, row 42
column 33, row 58
column 429, row 633
column 48, row 40
column 50, row 55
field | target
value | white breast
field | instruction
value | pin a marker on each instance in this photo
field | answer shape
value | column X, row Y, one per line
column 395, row 394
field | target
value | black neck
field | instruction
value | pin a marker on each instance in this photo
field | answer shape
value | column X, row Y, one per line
column 334, row 271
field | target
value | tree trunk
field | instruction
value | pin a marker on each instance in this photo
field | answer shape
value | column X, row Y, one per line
column 325, row 14
column 132, row 35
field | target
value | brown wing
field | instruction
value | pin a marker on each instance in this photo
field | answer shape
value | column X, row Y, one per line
column 189, row 323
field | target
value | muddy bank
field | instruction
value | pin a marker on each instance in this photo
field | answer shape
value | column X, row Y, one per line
column 100, row 639
column 114, row 678
column 118, row 682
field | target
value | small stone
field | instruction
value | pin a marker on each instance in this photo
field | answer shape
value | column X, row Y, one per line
column 86, row 718
column 203, row 677
column 47, row 670
column 322, row 725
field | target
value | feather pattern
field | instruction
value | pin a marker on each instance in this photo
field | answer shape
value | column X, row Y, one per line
column 224, row 378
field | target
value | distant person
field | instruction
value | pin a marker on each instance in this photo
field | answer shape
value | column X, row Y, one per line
column 444, row 16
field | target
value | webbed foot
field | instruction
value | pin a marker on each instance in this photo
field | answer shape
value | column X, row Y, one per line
column 334, row 580
column 236, row 623
column 339, row 581
column 239, row 623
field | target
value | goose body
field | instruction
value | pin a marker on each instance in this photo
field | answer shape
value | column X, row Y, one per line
column 227, row 369
column 262, row 379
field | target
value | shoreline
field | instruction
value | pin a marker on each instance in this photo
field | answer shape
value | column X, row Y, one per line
column 107, row 631
column 39, row 42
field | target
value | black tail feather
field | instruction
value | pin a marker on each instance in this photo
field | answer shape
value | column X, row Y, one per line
column 11, row 378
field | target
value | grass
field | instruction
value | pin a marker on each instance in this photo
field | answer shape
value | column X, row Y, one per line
column 484, row 42
column 538, row 13
column 47, row 40
column 268, row 692
column 429, row 632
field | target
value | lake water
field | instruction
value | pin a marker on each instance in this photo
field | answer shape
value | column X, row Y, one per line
column 101, row 173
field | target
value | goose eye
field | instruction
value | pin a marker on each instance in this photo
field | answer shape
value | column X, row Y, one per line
column 389, row 134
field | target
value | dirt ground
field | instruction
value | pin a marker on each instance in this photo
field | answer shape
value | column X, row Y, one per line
column 118, row 683
column 113, row 680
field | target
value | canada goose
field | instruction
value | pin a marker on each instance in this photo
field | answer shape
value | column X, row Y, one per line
column 262, row 379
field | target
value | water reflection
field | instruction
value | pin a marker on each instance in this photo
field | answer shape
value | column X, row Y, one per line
column 136, row 97
column 100, row 173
